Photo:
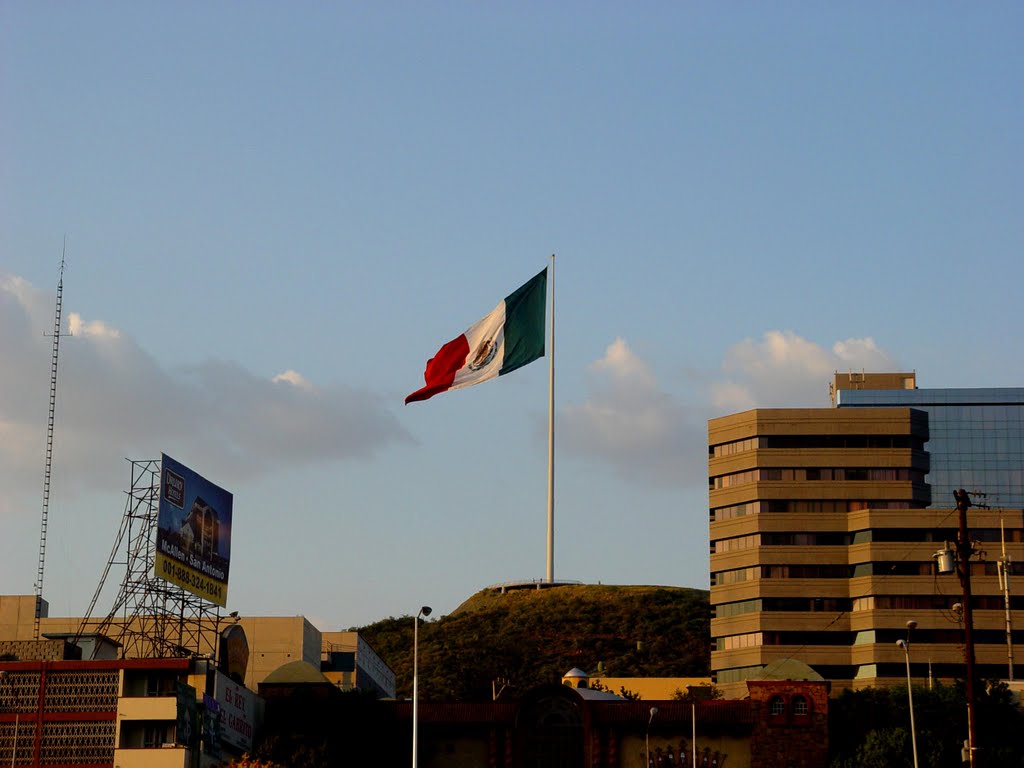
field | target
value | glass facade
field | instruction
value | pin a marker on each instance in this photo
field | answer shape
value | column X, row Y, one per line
column 976, row 439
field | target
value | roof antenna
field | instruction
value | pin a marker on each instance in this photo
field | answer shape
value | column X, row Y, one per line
column 49, row 445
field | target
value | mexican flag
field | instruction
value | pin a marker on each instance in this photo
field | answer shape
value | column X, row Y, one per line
column 511, row 336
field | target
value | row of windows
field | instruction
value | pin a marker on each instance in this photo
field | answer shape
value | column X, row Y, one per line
column 841, row 571
column 933, row 602
column 937, row 534
column 738, row 510
column 750, row 541
column 775, row 604
column 737, row 446
column 898, row 568
column 733, row 642
column 872, row 535
column 953, row 636
column 758, row 639
column 820, row 571
column 887, row 474
column 791, row 442
column 805, row 505
column 736, row 543
column 867, row 671
column 867, row 603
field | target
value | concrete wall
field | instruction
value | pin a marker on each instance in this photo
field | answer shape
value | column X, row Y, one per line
column 18, row 616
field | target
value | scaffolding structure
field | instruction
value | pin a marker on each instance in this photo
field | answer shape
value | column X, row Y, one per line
column 151, row 617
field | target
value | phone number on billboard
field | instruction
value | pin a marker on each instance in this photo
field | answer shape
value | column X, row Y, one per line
column 185, row 577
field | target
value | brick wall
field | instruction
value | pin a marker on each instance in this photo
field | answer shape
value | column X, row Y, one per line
column 38, row 650
column 790, row 724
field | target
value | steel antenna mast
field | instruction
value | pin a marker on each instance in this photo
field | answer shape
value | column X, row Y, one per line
column 49, row 446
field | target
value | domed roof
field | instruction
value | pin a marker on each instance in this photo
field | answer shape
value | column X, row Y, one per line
column 296, row 673
column 575, row 672
column 788, row 669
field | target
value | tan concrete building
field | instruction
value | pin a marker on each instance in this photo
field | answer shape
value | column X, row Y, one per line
column 349, row 662
column 823, row 535
column 347, row 659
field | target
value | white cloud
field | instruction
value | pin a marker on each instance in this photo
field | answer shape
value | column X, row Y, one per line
column 629, row 422
column 95, row 329
column 862, row 353
column 786, row 370
column 115, row 401
column 294, row 378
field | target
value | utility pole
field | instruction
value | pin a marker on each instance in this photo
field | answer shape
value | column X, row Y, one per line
column 964, row 550
column 1005, row 566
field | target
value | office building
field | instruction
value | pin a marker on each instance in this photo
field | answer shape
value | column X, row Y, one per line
column 824, row 525
column 975, row 436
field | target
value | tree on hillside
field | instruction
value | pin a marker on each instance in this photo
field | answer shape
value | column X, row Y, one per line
column 533, row 637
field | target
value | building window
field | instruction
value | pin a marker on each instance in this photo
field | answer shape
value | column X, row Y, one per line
column 732, row 642
column 776, row 706
column 800, row 706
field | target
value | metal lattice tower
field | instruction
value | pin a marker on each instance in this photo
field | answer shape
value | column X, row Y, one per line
column 49, row 451
column 150, row 618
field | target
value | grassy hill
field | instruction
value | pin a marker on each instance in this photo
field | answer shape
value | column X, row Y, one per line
column 529, row 637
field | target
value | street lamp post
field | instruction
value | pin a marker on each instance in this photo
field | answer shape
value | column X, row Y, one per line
column 17, row 715
column 691, row 691
column 905, row 645
column 424, row 611
column 647, row 740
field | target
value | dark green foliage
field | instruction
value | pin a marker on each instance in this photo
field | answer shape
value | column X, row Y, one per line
column 531, row 637
column 885, row 748
column 311, row 730
column 697, row 693
column 871, row 727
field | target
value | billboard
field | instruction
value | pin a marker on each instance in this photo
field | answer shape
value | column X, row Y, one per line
column 237, row 712
column 193, row 539
column 187, row 731
column 233, row 653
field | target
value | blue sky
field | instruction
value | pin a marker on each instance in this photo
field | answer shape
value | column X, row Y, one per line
column 275, row 213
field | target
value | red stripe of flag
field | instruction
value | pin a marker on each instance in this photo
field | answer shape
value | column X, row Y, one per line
column 441, row 369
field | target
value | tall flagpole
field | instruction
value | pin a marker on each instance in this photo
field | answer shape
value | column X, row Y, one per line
column 551, row 430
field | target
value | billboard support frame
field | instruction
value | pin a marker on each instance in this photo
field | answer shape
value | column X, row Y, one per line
column 151, row 617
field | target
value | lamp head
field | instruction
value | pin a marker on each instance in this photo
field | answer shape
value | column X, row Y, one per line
column 426, row 610
column 911, row 624
column 958, row 610
column 901, row 644
column 654, row 711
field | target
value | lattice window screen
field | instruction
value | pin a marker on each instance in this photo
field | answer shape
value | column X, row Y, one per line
column 19, row 692
column 81, row 691
column 26, row 741
column 77, row 743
